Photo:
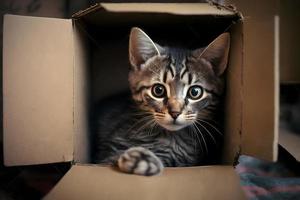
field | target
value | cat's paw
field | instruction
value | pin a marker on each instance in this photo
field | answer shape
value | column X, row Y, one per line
column 141, row 161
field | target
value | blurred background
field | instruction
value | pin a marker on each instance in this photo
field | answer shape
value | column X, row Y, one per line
column 33, row 182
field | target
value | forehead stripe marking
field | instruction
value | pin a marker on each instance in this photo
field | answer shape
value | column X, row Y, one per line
column 171, row 68
column 165, row 76
column 182, row 74
column 190, row 79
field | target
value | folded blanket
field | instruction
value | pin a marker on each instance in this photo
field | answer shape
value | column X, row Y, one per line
column 263, row 180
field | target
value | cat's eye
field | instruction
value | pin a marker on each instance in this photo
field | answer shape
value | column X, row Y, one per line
column 158, row 90
column 195, row 92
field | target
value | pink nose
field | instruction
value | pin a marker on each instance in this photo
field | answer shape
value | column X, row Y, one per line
column 174, row 115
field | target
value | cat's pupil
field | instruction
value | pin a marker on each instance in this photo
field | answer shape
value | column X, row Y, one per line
column 195, row 92
column 158, row 90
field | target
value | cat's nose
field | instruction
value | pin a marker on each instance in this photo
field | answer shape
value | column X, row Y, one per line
column 174, row 115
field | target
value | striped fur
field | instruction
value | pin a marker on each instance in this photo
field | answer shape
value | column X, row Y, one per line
column 143, row 133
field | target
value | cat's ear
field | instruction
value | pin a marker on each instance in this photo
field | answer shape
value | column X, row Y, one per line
column 141, row 48
column 217, row 53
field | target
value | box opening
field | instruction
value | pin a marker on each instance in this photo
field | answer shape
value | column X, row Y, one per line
column 102, row 65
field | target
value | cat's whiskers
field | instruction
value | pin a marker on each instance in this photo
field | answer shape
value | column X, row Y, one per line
column 206, row 122
column 159, row 114
column 190, row 116
column 144, row 126
column 200, row 117
column 203, row 138
column 210, row 134
column 194, row 131
column 193, row 138
column 153, row 125
column 146, row 118
column 159, row 118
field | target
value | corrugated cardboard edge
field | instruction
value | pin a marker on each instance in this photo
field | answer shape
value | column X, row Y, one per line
column 86, row 11
column 80, row 98
column 235, row 143
column 144, row 7
column 227, row 6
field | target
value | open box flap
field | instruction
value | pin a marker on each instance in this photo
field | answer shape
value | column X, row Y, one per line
column 171, row 8
column 94, row 182
column 260, row 79
column 37, row 90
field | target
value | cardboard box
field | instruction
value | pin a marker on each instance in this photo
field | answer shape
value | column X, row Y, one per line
column 55, row 68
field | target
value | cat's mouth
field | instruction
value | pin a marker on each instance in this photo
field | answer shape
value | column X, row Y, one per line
column 169, row 123
column 173, row 125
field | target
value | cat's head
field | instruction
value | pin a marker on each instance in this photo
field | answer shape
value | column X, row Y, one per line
column 177, row 87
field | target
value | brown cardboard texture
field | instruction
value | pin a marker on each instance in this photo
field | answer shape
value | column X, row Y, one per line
column 37, row 90
column 56, row 69
column 94, row 182
column 260, row 78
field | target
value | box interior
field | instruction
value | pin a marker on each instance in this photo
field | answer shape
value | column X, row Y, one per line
column 102, row 66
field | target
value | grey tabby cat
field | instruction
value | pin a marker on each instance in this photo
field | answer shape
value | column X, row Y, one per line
column 172, row 116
